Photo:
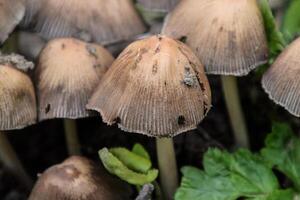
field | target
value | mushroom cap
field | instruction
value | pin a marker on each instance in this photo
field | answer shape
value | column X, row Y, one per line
column 78, row 178
column 158, row 5
column 99, row 21
column 67, row 73
column 17, row 99
column 281, row 81
column 11, row 14
column 156, row 87
column 228, row 36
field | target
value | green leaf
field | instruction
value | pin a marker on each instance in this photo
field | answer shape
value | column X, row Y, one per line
column 141, row 151
column 133, row 161
column 275, row 38
column 116, row 167
column 229, row 177
column 283, row 151
column 291, row 21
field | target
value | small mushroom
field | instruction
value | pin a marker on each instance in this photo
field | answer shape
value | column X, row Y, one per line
column 67, row 73
column 281, row 81
column 156, row 87
column 230, row 42
column 100, row 21
column 78, row 178
column 11, row 14
column 17, row 108
column 158, row 5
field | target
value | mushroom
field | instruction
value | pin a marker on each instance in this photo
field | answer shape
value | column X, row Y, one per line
column 156, row 87
column 158, row 5
column 78, row 178
column 100, row 21
column 68, row 71
column 281, row 80
column 11, row 14
column 229, row 42
column 17, row 108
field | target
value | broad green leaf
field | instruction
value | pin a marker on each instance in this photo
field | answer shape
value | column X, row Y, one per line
column 131, row 160
column 229, row 177
column 275, row 38
column 116, row 167
column 291, row 21
column 141, row 151
column 283, row 151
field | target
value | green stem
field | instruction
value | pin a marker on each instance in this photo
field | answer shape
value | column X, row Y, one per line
column 71, row 135
column 10, row 160
column 234, row 108
column 167, row 166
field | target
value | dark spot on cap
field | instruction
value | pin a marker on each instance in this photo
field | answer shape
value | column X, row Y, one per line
column 117, row 120
column 157, row 50
column 181, row 120
column 63, row 46
column 154, row 67
column 202, row 86
column 159, row 37
column 48, row 108
column 183, row 39
column 165, row 83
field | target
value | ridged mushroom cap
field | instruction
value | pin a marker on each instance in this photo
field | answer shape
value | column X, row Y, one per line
column 67, row 73
column 100, row 21
column 158, row 5
column 11, row 14
column 78, row 178
column 17, row 97
column 281, row 81
column 156, row 87
column 228, row 36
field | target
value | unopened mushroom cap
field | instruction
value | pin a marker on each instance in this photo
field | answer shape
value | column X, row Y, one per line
column 158, row 5
column 67, row 73
column 100, row 21
column 156, row 87
column 11, row 13
column 281, row 81
column 17, row 99
column 77, row 178
column 228, row 36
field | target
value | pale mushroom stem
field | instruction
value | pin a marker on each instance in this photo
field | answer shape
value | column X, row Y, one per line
column 234, row 108
column 10, row 160
column 167, row 166
column 71, row 135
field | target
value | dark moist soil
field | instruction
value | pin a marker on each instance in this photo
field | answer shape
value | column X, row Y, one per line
column 43, row 145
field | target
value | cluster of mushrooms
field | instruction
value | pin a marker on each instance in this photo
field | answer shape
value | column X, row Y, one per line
column 156, row 86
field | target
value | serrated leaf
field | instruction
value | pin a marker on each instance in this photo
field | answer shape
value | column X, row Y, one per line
column 283, row 151
column 229, row 177
column 275, row 38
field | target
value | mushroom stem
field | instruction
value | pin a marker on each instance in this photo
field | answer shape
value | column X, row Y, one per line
column 71, row 135
column 234, row 108
column 167, row 166
column 10, row 160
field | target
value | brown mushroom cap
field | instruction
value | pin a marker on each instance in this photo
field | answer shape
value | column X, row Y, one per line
column 11, row 14
column 67, row 73
column 17, row 99
column 228, row 36
column 156, row 87
column 100, row 21
column 281, row 81
column 158, row 5
column 78, row 178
